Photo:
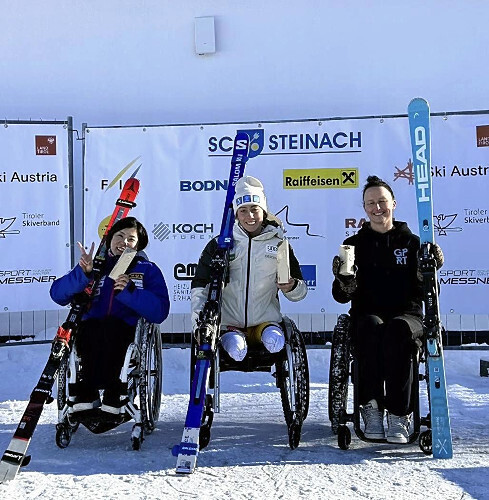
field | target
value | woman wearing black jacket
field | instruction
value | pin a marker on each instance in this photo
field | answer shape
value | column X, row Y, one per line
column 386, row 311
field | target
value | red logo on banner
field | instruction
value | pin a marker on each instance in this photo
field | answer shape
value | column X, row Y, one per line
column 45, row 144
column 405, row 173
column 482, row 136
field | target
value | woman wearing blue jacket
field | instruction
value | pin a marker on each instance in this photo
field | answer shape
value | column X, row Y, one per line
column 109, row 325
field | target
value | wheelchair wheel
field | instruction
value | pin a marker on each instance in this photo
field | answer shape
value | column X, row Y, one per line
column 339, row 371
column 293, row 381
column 150, row 382
column 62, row 381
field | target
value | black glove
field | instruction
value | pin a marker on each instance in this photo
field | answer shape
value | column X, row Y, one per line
column 437, row 254
column 348, row 284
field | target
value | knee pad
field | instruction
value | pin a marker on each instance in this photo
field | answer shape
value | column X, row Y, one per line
column 273, row 338
column 234, row 343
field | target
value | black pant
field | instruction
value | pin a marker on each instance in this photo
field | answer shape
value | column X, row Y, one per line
column 384, row 352
column 102, row 344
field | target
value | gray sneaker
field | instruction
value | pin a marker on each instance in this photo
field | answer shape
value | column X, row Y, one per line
column 398, row 428
column 374, row 420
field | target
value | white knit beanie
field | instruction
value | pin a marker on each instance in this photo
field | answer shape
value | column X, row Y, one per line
column 249, row 191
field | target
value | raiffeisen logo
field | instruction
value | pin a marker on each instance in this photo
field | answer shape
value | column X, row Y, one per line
column 321, row 178
column 309, row 274
column 183, row 231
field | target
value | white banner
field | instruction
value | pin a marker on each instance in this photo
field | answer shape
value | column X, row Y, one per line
column 35, row 213
column 313, row 174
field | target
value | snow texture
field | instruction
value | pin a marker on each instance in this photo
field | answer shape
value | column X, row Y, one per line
column 248, row 456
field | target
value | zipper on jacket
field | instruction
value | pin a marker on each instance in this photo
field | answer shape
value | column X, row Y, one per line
column 109, row 310
column 247, row 282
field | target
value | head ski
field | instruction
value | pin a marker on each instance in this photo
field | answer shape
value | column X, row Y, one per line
column 419, row 126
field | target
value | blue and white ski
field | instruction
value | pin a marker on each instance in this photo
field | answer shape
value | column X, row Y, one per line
column 419, row 125
column 209, row 322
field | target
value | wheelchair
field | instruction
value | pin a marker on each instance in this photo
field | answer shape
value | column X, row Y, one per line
column 141, row 382
column 289, row 368
column 342, row 369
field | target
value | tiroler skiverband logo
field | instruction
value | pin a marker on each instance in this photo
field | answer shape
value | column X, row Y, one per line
column 445, row 223
column 183, row 231
column 6, row 224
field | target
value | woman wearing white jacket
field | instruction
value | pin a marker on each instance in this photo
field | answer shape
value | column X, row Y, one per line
column 250, row 301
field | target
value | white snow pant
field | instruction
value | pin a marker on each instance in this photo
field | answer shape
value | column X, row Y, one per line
column 234, row 342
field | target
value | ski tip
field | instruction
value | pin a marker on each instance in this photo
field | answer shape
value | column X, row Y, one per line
column 135, row 172
column 418, row 102
column 418, row 99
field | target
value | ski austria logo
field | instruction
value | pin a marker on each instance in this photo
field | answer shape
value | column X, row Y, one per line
column 405, row 173
column 225, row 144
column 5, row 225
column 309, row 275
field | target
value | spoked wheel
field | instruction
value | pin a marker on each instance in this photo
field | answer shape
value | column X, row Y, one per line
column 339, row 371
column 293, row 381
column 426, row 442
column 62, row 381
column 64, row 428
column 150, row 382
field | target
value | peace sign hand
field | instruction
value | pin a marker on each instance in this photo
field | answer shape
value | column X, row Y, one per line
column 86, row 259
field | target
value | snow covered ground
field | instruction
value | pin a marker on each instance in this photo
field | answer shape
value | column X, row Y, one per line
column 248, row 456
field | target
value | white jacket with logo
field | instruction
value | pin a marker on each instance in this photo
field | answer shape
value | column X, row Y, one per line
column 251, row 295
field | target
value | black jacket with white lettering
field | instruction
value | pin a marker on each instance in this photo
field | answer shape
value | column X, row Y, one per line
column 387, row 278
